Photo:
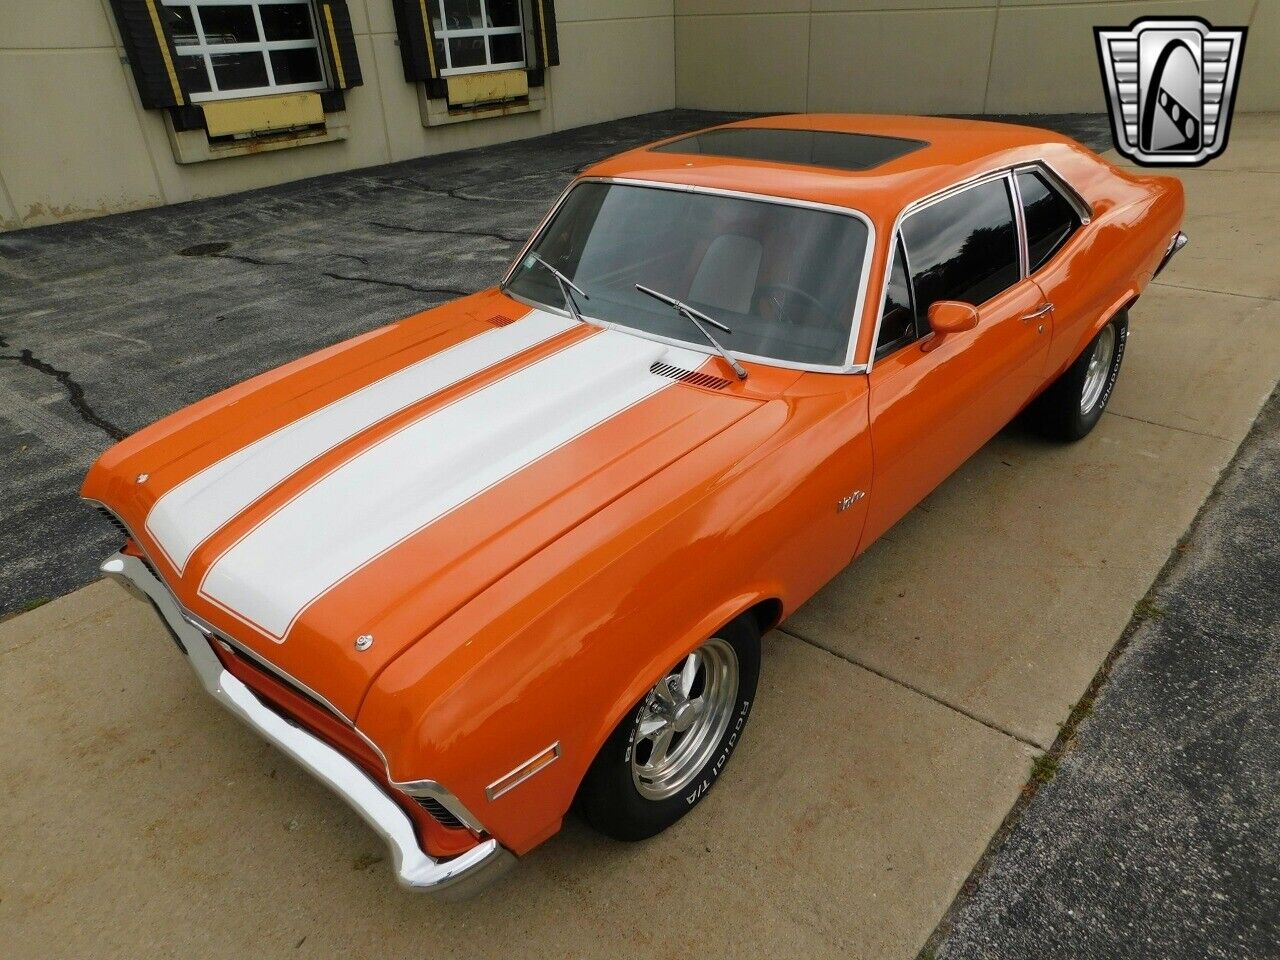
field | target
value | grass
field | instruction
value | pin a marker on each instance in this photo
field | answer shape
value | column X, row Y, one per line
column 1148, row 608
column 1043, row 769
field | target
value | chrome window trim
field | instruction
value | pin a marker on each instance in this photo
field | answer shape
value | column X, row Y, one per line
column 1009, row 171
column 1055, row 184
column 428, row 788
column 1019, row 218
column 1058, row 182
column 855, row 325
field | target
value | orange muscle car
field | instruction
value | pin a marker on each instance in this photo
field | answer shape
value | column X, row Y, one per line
column 517, row 552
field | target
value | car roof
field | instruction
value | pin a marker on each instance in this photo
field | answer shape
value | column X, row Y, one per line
column 924, row 156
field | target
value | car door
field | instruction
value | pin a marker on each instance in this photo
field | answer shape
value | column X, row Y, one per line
column 1052, row 219
column 934, row 400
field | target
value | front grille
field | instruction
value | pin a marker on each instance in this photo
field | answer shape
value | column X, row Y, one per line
column 115, row 522
column 438, row 812
column 688, row 376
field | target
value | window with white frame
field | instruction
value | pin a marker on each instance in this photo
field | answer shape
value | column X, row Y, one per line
column 477, row 35
column 245, row 48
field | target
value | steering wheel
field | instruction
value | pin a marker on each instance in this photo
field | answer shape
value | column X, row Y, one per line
column 772, row 291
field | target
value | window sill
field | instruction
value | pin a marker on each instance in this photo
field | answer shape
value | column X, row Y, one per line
column 194, row 146
column 437, row 112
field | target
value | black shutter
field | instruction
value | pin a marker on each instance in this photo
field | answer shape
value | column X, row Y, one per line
column 149, row 47
column 416, row 46
column 340, row 42
column 544, row 33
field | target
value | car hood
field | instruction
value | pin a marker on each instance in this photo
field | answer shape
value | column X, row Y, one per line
column 329, row 514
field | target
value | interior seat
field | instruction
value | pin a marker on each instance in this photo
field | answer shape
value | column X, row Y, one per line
column 726, row 278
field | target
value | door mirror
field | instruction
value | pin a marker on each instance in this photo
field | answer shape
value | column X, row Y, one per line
column 952, row 316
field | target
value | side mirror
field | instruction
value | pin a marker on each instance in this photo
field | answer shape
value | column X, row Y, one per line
column 952, row 316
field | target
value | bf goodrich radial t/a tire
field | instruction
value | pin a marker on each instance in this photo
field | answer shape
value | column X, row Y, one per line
column 1073, row 404
column 667, row 753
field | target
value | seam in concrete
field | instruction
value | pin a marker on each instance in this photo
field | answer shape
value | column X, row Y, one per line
column 914, row 689
column 1167, row 426
column 75, row 392
column 1224, row 293
column 1084, row 706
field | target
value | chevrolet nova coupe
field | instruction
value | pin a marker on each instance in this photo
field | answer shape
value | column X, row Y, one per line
column 516, row 553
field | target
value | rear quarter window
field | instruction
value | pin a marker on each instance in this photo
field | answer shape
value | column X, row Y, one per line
column 1050, row 218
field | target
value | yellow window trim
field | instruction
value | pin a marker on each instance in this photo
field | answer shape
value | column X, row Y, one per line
column 489, row 87
column 164, row 52
column 333, row 45
column 426, row 29
column 226, row 118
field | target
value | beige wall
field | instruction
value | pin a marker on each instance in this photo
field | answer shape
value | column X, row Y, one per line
column 931, row 56
column 74, row 141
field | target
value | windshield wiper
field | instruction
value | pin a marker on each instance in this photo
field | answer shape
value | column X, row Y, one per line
column 567, row 288
column 697, row 318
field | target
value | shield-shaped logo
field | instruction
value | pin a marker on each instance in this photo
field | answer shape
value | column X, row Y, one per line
column 1171, row 84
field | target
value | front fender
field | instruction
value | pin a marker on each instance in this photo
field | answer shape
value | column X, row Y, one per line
column 561, row 648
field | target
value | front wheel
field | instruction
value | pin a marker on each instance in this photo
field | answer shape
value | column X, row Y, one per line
column 1073, row 404
column 666, row 754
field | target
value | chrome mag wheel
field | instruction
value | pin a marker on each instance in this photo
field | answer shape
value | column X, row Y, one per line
column 1099, row 369
column 682, row 720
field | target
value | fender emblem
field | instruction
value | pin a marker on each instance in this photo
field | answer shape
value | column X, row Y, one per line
column 847, row 502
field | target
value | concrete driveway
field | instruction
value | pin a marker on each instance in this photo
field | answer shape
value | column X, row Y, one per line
column 897, row 719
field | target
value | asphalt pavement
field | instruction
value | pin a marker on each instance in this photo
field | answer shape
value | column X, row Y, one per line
column 1159, row 833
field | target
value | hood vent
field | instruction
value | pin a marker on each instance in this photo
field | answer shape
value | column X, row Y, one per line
column 705, row 380
column 498, row 320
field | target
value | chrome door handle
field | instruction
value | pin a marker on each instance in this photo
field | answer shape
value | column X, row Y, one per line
column 1043, row 311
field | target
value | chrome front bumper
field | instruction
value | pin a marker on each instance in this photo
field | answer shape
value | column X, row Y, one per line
column 455, row 878
column 1177, row 243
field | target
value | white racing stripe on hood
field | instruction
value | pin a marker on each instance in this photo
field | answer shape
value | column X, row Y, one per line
column 418, row 474
column 188, row 514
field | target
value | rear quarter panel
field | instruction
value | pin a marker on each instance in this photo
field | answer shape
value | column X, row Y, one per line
column 1106, row 265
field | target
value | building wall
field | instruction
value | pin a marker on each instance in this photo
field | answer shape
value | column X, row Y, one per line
column 931, row 56
column 75, row 142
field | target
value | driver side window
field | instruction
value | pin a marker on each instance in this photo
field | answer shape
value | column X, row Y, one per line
column 897, row 320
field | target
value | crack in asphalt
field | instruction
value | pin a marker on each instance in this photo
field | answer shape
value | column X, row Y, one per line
column 465, row 233
column 441, row 291
column 75, row 392
column 244, row 258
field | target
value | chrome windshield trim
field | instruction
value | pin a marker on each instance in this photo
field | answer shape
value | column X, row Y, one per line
column 859, row 307
column 414, row 868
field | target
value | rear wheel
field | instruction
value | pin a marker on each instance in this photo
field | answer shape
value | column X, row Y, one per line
column 665, row 755
column 1073, row 404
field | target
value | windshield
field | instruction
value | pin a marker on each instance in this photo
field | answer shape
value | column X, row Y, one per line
column 783, row 278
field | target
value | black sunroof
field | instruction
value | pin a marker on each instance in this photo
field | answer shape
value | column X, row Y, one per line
column 813, row 148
